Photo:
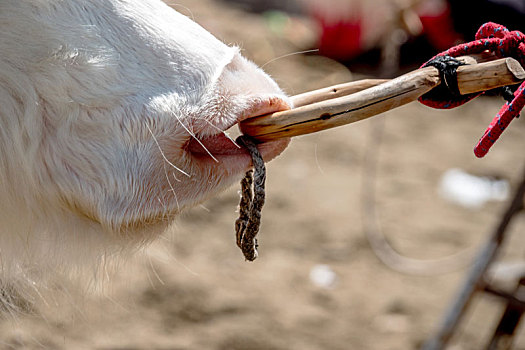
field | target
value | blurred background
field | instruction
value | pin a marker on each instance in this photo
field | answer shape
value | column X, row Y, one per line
column 408, row 177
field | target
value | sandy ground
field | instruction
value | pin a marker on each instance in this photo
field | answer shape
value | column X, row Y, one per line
column 193, row 290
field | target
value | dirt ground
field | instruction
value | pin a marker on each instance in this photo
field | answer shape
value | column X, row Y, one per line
column 193, row 290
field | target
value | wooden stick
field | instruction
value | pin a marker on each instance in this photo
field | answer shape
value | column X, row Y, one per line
column 325, row 112
column 352, row 87
column 335, row 91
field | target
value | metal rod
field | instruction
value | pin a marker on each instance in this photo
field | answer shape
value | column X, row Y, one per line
column 474, row 281
column 503, row 336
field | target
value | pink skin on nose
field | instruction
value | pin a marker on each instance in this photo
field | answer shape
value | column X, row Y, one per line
column 229, row 155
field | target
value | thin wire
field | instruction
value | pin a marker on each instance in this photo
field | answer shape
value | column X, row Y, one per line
column 374, row 233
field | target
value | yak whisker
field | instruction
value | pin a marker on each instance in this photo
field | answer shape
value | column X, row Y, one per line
column 224, row 133
column 196, row 138
column 288, row 55
column 163, row 155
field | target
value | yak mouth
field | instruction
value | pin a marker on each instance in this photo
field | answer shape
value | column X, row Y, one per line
column 220, row 148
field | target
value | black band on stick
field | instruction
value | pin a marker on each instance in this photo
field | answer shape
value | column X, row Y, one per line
column 447, row 67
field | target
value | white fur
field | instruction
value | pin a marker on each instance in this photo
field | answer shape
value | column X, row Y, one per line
column 97, row 102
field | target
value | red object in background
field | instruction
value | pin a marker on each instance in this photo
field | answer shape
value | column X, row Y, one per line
column 340, row 40
column 343, row 39
column 439, row 29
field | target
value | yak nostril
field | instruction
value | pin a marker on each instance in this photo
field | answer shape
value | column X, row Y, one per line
column 221, row 141
column 266, row 106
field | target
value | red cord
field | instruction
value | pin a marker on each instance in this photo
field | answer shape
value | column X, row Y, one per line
column 503, row 43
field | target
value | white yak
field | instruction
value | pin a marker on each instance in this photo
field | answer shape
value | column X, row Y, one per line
column 112, row 115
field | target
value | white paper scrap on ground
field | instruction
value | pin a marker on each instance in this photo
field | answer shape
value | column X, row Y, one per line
column 471, row 191
column 323, row 276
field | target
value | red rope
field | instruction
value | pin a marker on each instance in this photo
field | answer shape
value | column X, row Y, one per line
column 503, row 43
